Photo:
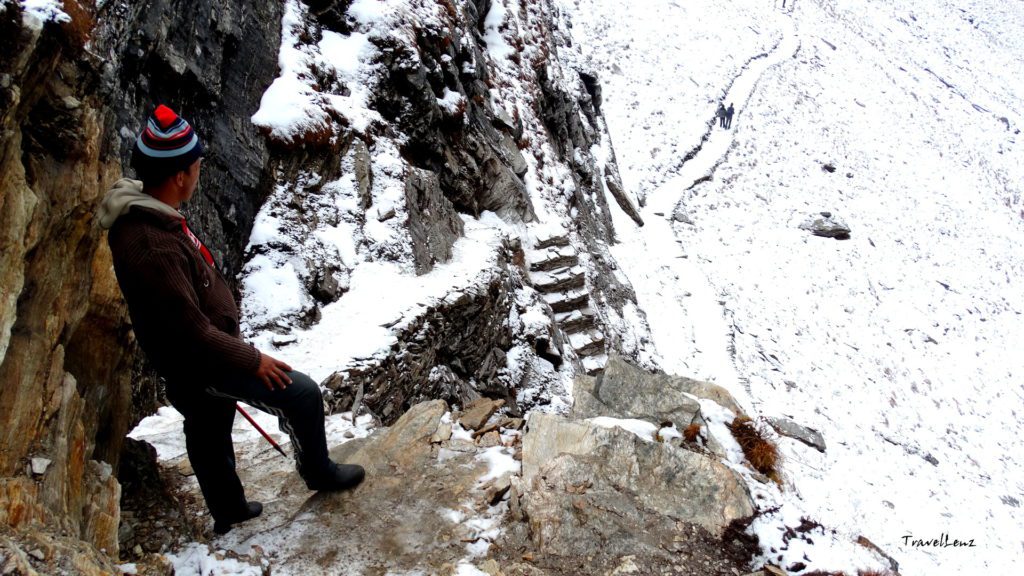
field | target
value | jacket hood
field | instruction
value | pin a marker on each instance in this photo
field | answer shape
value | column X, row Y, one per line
column 122, row 196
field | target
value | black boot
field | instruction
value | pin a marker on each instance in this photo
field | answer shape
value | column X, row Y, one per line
column 252, row 510
column 335, row 477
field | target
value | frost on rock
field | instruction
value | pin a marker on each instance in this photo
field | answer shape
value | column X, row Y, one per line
column 36, row 13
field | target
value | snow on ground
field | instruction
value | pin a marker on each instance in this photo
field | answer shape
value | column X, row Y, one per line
column 663, row 70
column 164, row 431
column 382, row 298
column 641, row 428
column 295, row 105
column 36, row 13
column 897, row 344
column 197, row 559
column 499, row 462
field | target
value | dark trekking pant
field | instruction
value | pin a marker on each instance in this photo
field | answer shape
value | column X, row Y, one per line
column 209, row 411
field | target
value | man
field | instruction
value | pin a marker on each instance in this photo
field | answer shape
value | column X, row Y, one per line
column 720, row 114
column 186, row 321
column 728, row 116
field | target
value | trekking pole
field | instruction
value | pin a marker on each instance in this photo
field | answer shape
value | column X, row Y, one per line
column 260, row 430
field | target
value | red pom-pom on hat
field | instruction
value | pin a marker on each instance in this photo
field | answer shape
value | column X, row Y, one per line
column 165, row 116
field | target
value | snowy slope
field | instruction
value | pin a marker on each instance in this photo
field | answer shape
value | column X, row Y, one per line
column 897, row 344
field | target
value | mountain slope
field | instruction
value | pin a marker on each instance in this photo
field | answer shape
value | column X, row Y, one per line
column 897, row 344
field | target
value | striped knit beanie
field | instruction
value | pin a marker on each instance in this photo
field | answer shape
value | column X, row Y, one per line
column 166, row 146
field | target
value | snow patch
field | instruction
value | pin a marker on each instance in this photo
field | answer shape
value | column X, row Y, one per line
column 496, row 44
column 197, row 558
column 499, row 461
column 640, row 428
column 36, row 13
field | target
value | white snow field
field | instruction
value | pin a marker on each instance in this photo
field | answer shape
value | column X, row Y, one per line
column 897, row 344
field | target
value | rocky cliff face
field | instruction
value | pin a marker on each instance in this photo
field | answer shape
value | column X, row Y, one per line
column 391, row 128
column 55, row 163
column 74, row 85
column 449, row 117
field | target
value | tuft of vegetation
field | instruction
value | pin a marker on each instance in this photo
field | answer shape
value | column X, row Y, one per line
column 761, row 452
column 692, row 432
column 450, row 9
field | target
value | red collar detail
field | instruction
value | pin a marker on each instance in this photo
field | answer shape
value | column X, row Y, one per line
column 195, row 240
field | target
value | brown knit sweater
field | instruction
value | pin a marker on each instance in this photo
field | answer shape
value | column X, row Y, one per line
column 182, row 310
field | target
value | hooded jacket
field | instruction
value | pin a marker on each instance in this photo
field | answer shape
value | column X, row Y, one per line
column 182, row 310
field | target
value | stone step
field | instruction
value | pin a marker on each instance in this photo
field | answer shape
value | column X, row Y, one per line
column 593, row 365
column 567, row 301
column 556, row 240
column 552, row 258
column 589, row 343
column 559, row 280
column 576, row 320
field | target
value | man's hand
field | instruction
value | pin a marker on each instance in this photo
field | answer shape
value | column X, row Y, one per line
column 273, row 372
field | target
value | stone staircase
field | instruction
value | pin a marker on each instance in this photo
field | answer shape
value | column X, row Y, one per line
column 557, row 274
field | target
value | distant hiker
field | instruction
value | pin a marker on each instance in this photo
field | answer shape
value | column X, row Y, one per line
column 720, row 114
column 728, row 116
column 186, row 321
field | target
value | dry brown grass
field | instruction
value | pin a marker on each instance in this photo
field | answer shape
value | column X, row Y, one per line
column 519, row 258
column 691, row 432
column 449, row 8
column 761, row 452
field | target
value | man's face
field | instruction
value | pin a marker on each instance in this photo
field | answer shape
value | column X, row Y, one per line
column 191, row 180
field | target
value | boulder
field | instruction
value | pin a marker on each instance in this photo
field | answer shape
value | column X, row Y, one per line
column 788, row 428
column 625, row 391
column 477, row 412
column 615, row 471
column 406, row 444
column 680, row 214
column 433, row 223
column 826, row 225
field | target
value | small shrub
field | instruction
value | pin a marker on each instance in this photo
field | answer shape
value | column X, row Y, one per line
column 691, row 432
column 449, row 8
column 519, row 258
column 761, row 452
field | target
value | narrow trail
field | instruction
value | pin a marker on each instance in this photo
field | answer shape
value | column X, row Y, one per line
column 685, row 313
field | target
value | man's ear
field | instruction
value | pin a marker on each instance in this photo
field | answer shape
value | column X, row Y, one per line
column 179, row 178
